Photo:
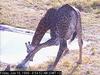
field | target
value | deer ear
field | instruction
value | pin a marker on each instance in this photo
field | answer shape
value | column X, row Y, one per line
column 25, row 43
column 27, row 46
column 29, row 43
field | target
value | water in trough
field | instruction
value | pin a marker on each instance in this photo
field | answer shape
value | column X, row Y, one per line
column 13, row 50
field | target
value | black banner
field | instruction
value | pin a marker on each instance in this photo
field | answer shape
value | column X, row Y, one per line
column 30, row 73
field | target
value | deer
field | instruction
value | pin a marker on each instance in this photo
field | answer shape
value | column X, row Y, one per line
column 64, row 24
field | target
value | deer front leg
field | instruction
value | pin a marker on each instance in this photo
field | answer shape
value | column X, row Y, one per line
column 52, row 41
column 63, row 46
column 29, row 49
column 33, row 52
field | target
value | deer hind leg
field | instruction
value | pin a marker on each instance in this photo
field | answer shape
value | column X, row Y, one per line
column 63, row 46
column 80, row 42
column 66, row 51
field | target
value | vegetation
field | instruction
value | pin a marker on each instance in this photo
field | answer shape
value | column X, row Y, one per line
column 27, row 13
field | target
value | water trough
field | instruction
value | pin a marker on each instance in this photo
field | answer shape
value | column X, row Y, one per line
column 13, row 50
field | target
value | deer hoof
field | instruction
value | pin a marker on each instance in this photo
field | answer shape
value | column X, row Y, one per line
column 65, row 52
column 79, row 62
column 28, row 46
column 31, row 59
column 50, row 68
column 20, row 66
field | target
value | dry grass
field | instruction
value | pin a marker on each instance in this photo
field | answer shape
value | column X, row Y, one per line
column 89, row 65
column 18, row 14
column 27, row 13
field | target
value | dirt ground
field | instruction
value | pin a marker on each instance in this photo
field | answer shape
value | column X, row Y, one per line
column 28, row 16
